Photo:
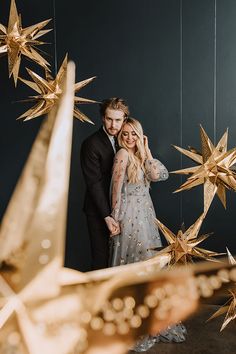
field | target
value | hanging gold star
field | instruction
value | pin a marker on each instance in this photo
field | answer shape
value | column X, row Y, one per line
column 215, row 171
column 50, row 91
column 17, row 41
column 230, row 306
column 182, row 247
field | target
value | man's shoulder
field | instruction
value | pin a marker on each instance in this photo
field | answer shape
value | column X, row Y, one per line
column 94, row 142
column 94, row 137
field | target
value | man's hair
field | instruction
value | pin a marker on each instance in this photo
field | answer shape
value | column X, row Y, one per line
column 114, row 103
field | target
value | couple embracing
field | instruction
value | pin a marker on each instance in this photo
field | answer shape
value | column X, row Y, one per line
column 118, row 167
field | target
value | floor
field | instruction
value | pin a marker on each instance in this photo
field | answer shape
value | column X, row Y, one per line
column 202, row 338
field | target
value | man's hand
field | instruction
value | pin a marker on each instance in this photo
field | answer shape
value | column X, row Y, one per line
column 112, row 225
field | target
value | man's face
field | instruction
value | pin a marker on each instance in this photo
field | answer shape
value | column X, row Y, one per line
column 113, row 120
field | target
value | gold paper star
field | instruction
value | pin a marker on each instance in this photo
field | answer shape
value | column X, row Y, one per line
column 182, row 247
column 214, row 171
column 50, row 91
column 17, row 41
column 36, row 234
column 230, row 306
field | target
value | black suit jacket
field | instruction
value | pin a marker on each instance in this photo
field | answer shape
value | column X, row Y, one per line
column 97, row 157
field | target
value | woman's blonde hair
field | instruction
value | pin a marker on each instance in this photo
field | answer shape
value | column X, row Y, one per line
column 136, row 160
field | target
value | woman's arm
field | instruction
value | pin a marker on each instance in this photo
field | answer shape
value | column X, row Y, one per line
column 118, row 175
column 155, row 170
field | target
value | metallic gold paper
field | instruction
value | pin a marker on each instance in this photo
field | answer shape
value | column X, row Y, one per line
column 215, row 171
column 17, row 41
column 34, row 228
column 230, row 306
column 182, row 247
column 50, row 91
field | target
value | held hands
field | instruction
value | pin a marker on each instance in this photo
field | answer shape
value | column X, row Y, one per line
column 113, row 226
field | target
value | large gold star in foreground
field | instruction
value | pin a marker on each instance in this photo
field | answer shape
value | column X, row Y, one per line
column 182, row 247
column 17, row 41
column 214, row 171
column 230, row 306
column 50, row 91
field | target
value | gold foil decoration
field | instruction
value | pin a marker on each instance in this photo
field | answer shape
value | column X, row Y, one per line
column 214, row 172
column 96, row 314
column 230, row 306
column 182, row 247
column 50, row 90
column 33, row 226
column 17, row 41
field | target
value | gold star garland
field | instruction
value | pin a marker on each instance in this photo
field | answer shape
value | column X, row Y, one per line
column 17, row 41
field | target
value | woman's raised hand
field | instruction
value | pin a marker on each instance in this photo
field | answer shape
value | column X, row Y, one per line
column 146, row 147
column 145, row 141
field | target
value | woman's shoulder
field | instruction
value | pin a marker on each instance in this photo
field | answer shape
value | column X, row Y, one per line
column 122, row 153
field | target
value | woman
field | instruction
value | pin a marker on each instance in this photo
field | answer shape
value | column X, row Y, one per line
column 133, row 170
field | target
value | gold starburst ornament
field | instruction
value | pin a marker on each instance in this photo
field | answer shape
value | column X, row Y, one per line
column 17, row 41
column 50, row 90
column 230, row 306
column 182, row 247
column 215, row 171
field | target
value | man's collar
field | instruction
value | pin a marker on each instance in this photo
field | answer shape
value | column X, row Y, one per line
column 109, row 136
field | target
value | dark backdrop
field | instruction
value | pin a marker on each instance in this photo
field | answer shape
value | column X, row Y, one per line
column 174, row 61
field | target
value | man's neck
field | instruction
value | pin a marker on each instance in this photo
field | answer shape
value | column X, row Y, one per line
column 110, row 136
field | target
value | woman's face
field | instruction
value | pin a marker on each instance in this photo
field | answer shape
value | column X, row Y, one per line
column 129, row 137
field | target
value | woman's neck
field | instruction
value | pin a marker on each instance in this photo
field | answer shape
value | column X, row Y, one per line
column 132, row 151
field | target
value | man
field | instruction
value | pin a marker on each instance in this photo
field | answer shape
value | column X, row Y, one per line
column 97, row 154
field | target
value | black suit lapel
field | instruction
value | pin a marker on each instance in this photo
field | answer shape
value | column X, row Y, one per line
column 105, row 139
column 116, row 144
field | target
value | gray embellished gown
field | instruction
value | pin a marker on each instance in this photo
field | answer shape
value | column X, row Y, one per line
column 133, row 208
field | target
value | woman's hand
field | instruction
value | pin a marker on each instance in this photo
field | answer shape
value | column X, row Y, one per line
column 145, row 141
column 146, row 147
column 116, row 230
column 112, row 225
